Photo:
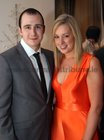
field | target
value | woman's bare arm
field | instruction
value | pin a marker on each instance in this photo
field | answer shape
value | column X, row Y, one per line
column 95, row 89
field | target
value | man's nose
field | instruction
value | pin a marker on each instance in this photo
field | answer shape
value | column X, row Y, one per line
column 33, row 30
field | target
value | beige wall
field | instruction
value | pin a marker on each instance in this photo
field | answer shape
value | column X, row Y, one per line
column 9, row 12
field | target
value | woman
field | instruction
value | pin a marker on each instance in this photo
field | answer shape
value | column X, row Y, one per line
column 77, row 83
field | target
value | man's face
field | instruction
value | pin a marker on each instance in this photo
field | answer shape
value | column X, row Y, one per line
column 32, row 30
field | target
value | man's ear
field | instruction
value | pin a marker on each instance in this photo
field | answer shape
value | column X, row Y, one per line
column 44, row 29
column 20, row 31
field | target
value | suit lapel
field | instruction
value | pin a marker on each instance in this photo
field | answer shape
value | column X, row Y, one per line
column 48, row 62
column 29, row 66
column 48, row 59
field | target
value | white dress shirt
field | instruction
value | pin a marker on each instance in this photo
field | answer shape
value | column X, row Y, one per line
column 29, row 51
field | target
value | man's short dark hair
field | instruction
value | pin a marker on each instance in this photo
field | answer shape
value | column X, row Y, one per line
column 93, row 32
column 30, row 11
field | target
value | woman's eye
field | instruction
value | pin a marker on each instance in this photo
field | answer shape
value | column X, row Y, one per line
column 66, row 35
column 55, row 37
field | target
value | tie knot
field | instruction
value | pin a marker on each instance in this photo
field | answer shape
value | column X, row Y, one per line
column 36, row 55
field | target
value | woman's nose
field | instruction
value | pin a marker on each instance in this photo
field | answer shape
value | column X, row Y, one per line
column 61, row 40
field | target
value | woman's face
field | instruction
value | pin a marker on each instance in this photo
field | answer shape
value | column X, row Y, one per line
column 64, row 39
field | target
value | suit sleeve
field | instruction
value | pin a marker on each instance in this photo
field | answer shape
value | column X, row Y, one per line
column 6, row 126
column 100, row 55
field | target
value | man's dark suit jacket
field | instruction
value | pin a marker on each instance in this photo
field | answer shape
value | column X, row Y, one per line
column 100, row 55
column 24, row 113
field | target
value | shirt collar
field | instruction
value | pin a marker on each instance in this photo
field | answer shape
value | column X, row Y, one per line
column 28, row 49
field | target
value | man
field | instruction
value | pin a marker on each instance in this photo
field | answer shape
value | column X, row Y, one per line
column 25, row 113
column 100, row 55
column 91, row 42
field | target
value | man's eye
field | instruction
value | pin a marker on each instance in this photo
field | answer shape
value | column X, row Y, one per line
column 38, row 27
column 27, row 27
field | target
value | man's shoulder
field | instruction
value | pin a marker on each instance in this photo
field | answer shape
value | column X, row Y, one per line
column 100, row 55
column 46, row 50
column 10, row 54
column 8, row 51
column 99, row 51
column 11, row 51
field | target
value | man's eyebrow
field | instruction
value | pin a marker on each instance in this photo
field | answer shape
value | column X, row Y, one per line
column 26, row 25
column 38, row 24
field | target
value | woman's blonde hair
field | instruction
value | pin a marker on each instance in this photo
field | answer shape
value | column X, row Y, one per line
column 71, row 22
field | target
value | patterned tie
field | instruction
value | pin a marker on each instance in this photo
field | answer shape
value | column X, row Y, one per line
column 43, row 82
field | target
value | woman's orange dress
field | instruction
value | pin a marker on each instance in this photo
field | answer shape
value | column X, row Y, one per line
column 72, row 104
